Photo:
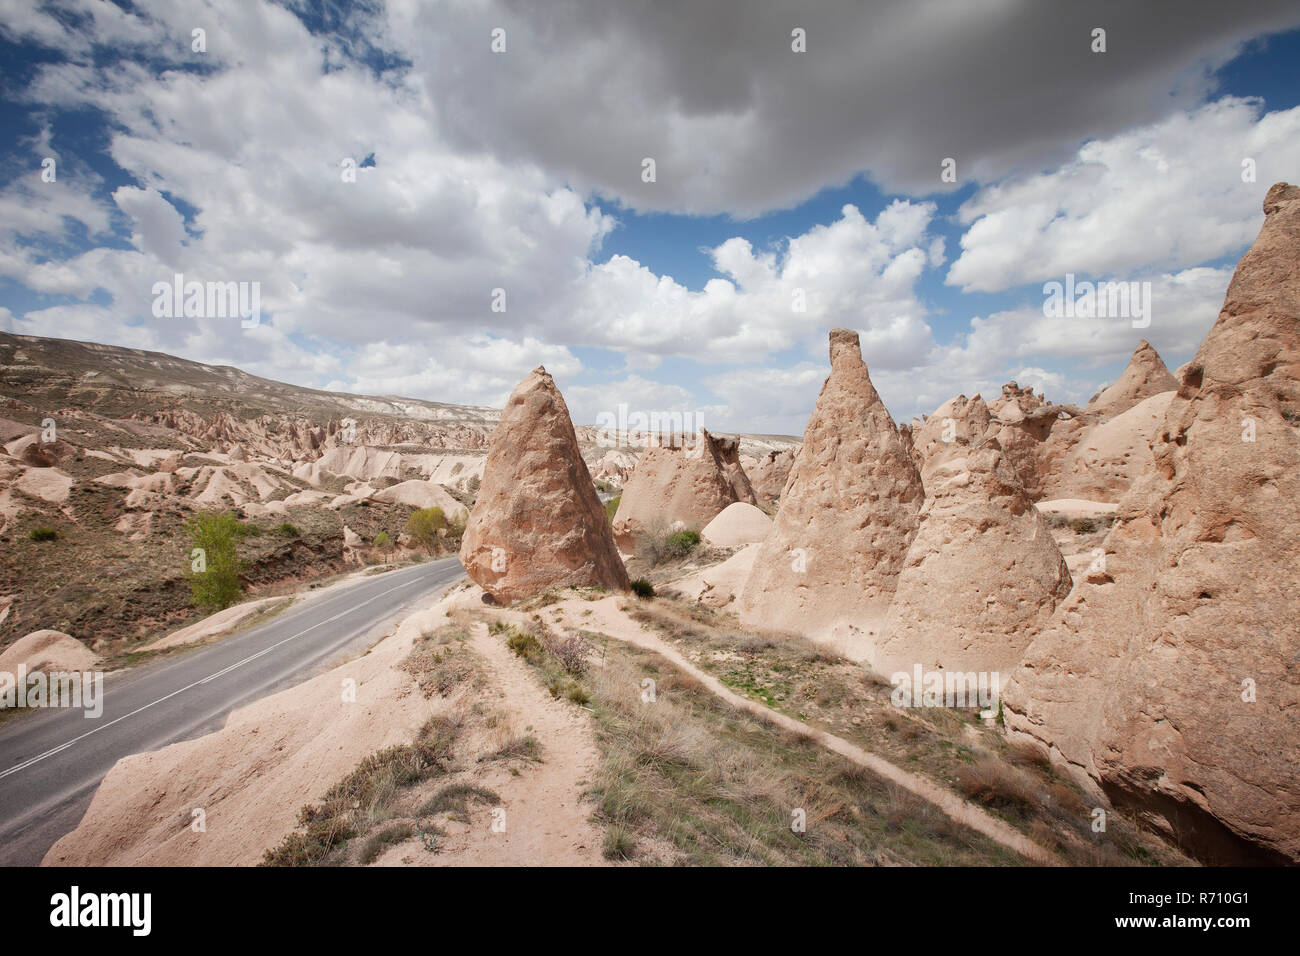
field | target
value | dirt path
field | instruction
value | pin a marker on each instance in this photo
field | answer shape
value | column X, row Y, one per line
column 605, row 617
column 547, row 821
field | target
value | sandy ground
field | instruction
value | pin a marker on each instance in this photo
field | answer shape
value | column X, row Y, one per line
column 250, row 778
column 547, row 821
column 606, row 618
column 1078, row 508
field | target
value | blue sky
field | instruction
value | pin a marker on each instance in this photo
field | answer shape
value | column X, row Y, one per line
column 781, row 176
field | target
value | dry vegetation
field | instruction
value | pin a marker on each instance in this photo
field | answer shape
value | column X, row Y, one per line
column 688, row 779
column 423, row 789
column 954, row 747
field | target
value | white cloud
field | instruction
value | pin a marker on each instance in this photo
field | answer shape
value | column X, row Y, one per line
column 1167, row 196
column 850, row 272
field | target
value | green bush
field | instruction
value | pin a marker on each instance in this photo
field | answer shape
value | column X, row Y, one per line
column 643, row 588
column 682, row 543
column 287, row 529
column 423, row 527
column 214, row 574
column 611, row 506
column 43, row 534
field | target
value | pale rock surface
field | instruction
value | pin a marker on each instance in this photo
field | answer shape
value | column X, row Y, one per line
column 1169, row 681
column 538, row 522
column 949, row 433
column 1109, row 457
column 422, row 494
column 737, row 525
column 48, row 484
column 718, row 585
column 684, row 484
column 48, row 651
column 1144, row 377
column 768, row 475
column 982, row 576
column 849, row 512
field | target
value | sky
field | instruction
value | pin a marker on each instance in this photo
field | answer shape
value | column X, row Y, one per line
column 433, row 198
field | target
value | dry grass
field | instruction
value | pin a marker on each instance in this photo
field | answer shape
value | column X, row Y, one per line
column 687, row 779
column 953, row 747
column 364, row 797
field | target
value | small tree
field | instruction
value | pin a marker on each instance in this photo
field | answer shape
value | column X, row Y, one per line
column 384, row 543
column 423, row 527
column 456, row 526
column 215, row 565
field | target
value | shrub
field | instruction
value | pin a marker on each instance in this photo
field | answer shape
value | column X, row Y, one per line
column 611, row 506
column 287, row 529
column 384, row 542
column 43, row 534
column 524, row 645
column 215, row 566
column 570, row 651
column 456, row 798
column 385, row 838
column 682, row 543
column 423, row 527
column 995, row 785
column 1084, row 525
column 643, row 588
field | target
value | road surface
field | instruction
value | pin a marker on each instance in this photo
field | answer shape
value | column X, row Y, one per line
column 52, row 760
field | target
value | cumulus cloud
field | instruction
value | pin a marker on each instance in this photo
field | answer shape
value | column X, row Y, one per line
column 488, row 177
column 852, row 271
column 1169, row 195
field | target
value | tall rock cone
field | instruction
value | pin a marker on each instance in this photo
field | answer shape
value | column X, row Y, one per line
column 848, row 514
column 1145, row 376
column 982, row 577
column 683, row 483
column 538, row 522
column 1169, row 677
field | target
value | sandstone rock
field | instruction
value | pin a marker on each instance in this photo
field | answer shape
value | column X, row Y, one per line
column 48, row 484
column 362, row 462
column 537, row 522
column 718, row 585
column 955, row 426
column 1108, row 458
column 614, row 466
column 1145, row 376
column 769, row 475
column 682, row 484
column 848, row 515
column 737, row 525
column 1169, row 681
column 982, row 575
column 47, row 651
column 422, row 494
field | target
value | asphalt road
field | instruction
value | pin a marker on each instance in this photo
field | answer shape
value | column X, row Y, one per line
column 52, row 760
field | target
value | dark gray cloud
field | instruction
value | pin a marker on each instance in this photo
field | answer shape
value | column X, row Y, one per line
column 739, row 123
